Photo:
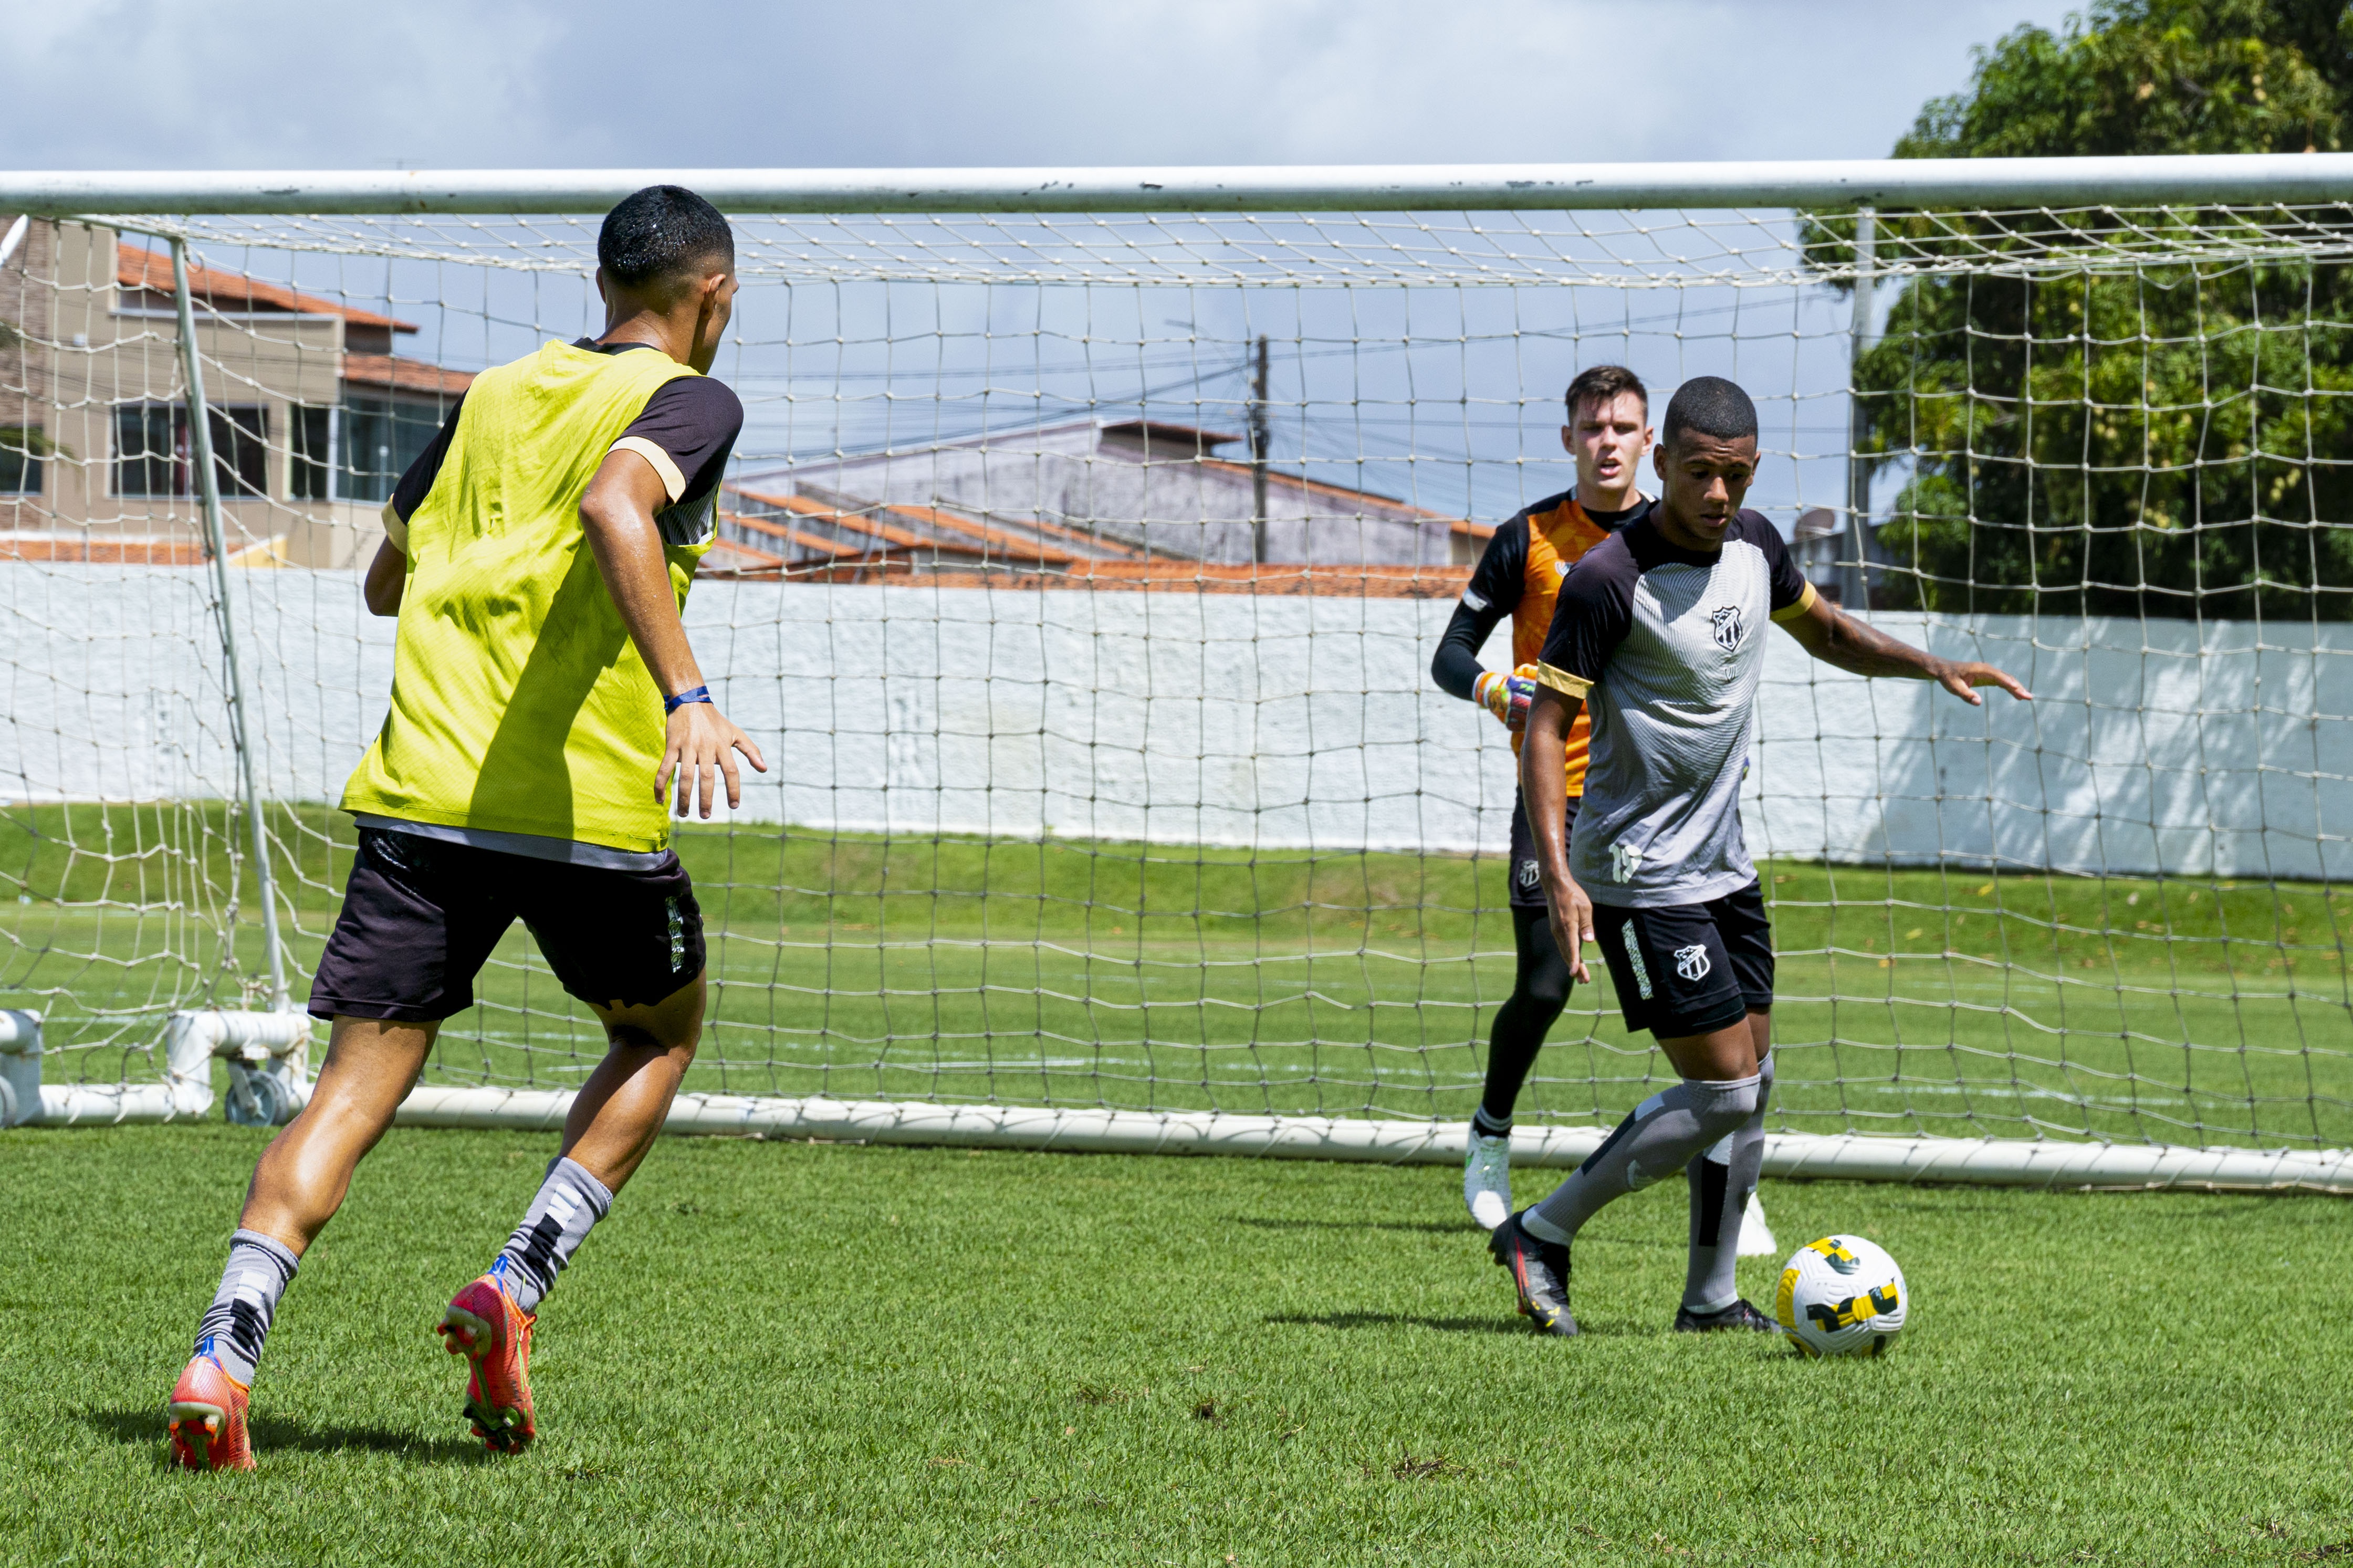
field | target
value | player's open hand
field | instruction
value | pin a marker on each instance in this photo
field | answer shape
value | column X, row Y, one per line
column 1572, row 923
column 700, row 744
column 1961, row 679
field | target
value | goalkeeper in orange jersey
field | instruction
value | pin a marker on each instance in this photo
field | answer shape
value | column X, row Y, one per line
column 545, row 702
column 1519, row 576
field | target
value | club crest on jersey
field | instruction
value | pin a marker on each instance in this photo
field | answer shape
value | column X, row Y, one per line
column 1692, row 961
column 1728, row 628
column 1527, row 874
column 1625, row 859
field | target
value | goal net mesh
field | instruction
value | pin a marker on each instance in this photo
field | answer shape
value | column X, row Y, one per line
column 1080, row 577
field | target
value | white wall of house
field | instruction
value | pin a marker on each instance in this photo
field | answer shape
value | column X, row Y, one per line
column 1294, row 721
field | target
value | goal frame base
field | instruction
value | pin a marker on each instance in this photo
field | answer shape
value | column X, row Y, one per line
column 1990, row 1162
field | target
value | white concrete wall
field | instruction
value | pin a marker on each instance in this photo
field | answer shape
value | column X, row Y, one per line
column 1277, row 722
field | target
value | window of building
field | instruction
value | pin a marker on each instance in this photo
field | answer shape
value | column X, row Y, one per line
column 22, row 447
column 312, row 475
column 380, row 438
column 152, row 451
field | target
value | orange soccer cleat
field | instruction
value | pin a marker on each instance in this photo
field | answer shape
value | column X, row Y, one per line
column 207, row 1419
column 485, row 1326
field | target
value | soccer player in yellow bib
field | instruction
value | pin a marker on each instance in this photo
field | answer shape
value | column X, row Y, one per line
column 544, row 706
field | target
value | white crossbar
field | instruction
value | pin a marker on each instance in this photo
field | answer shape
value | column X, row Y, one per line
column 1419, row 187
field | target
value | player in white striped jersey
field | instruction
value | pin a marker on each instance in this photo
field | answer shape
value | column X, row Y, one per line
column 1659, row 637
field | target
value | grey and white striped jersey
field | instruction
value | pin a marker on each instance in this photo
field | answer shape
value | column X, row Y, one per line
column 1666, row 647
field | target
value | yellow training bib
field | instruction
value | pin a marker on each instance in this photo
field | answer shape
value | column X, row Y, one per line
column 519, row 703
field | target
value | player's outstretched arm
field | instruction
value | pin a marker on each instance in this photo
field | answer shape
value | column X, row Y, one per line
column 1544, row 784
column 618, row 515
column 1837, row 638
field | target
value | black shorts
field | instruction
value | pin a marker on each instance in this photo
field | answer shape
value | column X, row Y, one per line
column 1527, row 886
column 420, row 916
column 1688, row 969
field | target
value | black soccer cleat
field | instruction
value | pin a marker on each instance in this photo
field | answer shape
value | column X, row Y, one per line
column 1739, row 1315
column 1539, row 1273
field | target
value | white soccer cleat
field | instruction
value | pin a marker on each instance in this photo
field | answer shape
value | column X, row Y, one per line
column 1487, row 1180
column 1755, row 1235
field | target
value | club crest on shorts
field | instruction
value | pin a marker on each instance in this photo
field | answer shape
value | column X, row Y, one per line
column 1728, row 628
column 1692, row 963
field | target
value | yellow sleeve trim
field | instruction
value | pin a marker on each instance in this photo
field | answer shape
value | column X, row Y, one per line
column 395, row 529
column 673, row 482
column 1805, row 602
column 1560, row 680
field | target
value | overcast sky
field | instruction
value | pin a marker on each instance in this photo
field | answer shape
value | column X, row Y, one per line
column 94, row 84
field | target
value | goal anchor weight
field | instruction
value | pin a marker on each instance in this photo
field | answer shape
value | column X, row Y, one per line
column 269, row 1056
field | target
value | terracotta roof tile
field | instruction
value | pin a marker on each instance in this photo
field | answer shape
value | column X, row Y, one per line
column 135, row 266
column 950, row 532
column 894, row 569
column 1317, row 486
column 405, row 374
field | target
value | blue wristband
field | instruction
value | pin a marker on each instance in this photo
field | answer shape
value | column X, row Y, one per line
column 672, row 704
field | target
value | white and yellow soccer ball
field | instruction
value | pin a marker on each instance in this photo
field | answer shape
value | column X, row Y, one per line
column 1841, row 1295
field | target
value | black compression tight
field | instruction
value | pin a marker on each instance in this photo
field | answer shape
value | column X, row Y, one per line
column 1540, row 989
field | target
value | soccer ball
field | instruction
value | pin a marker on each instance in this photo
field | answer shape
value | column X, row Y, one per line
column 1841, row 1295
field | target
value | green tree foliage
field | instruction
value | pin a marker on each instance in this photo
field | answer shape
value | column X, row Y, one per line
column 2121, row 413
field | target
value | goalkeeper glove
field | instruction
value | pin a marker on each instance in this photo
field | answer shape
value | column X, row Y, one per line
column 1506, row 696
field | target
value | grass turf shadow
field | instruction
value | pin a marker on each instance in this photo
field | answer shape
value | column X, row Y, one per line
column 1503, row 1323
column 1464, row 1226
column 274, row 1434
column 1497, row 1325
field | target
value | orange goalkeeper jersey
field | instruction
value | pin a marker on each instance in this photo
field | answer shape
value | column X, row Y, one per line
column 1519, row 576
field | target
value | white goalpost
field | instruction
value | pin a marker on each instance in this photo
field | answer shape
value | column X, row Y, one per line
column 1080, row 569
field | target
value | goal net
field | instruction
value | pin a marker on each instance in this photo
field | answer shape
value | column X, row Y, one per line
column 1080, row 575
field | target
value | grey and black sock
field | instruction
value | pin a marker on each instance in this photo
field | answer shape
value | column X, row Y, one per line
column 237, row 1322
column 569, row 1202
column 1721, row 1179
column 1662, row 1135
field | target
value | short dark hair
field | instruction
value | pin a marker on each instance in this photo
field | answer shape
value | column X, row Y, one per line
column 1604, row 383
column 661, row 232
column 1710, row 405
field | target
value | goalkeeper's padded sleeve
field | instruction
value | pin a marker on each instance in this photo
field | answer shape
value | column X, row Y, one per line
column 1455, row 666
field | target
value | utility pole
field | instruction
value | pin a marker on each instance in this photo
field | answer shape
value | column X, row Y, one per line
column 1856, row 590
column 1259, row 443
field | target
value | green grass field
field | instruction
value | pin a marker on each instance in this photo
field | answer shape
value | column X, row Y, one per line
column 1073, row 973
column 787, row 1352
